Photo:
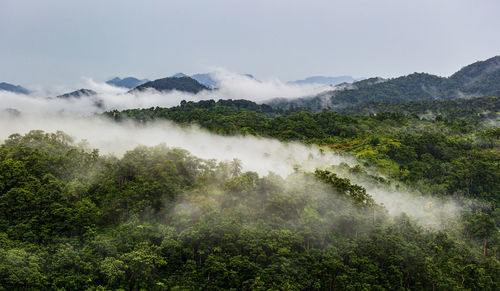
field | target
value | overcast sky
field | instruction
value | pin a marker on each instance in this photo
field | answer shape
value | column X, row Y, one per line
column 59, row 42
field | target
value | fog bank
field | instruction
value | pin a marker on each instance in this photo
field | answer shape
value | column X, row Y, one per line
column 230, row 86
column 261, row 155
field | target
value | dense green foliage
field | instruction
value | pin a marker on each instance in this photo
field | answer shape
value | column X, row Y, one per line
column 478, row 79
column 185, row 84
column 457, row 157
column 159, row 218
column 470, row 110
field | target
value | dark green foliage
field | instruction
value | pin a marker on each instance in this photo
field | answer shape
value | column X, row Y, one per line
column 242, row 116
column 185, row 84
column 344, row 187
column 476, row 80
column 159, row 218
column 455, row 154
column 480, row 78
column 470, row 110
column 417, row 86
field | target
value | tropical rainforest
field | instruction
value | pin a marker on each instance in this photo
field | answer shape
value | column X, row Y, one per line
column 161, row 218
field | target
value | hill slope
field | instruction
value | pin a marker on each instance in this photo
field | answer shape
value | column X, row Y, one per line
column 129, row 82
column 78, row 94
column 185, row 84
column 13, row 88
column 475, row 80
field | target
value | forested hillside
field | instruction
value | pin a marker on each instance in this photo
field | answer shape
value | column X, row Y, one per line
column 160, row 218
column 250, row 159
column 477, row 110
column 455, row 156
column 185, row 84
column 475, row 80
column 128, row 82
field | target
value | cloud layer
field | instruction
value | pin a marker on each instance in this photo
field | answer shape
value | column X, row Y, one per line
column 256, row 154
column 231, row 86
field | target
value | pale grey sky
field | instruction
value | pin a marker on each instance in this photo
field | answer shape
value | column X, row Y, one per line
column 59, row 42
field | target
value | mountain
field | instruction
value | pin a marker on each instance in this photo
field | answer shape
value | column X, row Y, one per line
column 480, row 109
column 475, row 80
column 478, row 79
column 185, row 84
column 179, row 75
column 476, row 71
column 129, row 82
column 98, row 102
column 325, row 80
column 13, row 88
column 250, row 76
column 206, row 80
column 209, row 80
column 78, row 94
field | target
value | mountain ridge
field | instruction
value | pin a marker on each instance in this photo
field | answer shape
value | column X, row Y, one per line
column 78, row 93
column 14, row 88
column 327, row 80
column 127, row 82
column 475, row 80
column 185, row 84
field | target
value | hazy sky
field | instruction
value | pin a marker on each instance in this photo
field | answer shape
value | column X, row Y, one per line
column 59, row 42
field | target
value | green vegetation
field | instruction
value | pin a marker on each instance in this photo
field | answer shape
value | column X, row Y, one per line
column 475, row 80
column 456, row 157
column 473, row 111
column 160, row 218
column 185, row 84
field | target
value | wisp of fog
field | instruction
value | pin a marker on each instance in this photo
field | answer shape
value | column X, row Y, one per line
column 261, row 155
column 75, row 116
column 230, row 86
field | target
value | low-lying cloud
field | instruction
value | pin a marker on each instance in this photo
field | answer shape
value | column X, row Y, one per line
column 75, row 116
column 261, row 155
column 230, row 86
column 244, row 87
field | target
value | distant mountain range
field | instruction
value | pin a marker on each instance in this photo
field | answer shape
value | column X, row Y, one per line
column 128, row 82
column 326, row 80
column 84, row 93
column 183, row 83
column 475, row 80
column 13, row 88
column 207, row 79
column 179, row 75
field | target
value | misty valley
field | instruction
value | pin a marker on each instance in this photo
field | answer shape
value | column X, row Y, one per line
column 221, row 181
